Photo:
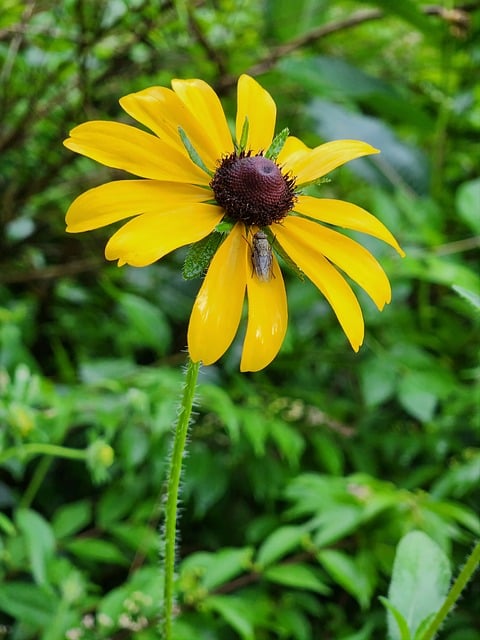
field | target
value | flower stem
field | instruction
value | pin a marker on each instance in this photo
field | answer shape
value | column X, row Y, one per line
column 473, row 561
column 173, row 484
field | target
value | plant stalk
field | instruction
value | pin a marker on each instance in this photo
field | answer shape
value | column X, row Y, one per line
column 173, row 485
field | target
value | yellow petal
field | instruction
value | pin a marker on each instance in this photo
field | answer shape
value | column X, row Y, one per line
column 315, row 163
column 124, row 147
column 218, row 307
column 351, row 257
column 115, row 201
column 202, row 101
column 292, row 146
column 267, row 320
column 324, row 275
column 346, row 215
column 162, row 111
column 150, row 236
column 256, row 104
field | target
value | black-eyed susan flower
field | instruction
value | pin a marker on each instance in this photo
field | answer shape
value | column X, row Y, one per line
column 198, row 183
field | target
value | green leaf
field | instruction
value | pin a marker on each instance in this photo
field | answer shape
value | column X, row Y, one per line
column 218, row 568
column 146, row 323
column 335, row 522
column 236, row 612
column 420, row 581
column 192, row 152
column 349, row 573
column 39, row 540
column 467, row 201
column 27, row 603
column 72, row 518
column 279, row 543
column 299, row 576
column 473, row 298
column 409, row 11
column 96, row 550
column 214, row 398
column 378, row 380
column 399, row 619
column 420, row 391
column 277, row 144
column 200, row 255
column 241, row 146
column 6, row 525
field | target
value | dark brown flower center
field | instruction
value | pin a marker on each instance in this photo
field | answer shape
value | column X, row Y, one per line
column 252, row 189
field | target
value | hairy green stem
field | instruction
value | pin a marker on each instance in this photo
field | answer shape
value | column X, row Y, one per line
column 173, row 484
column 458, row 586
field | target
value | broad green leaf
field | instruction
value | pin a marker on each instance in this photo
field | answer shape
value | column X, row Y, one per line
column 349, row 573
column 214, row 398
column 288, row 440
column 224, row 565
column 72, row 518
column 335, row 522
column 282, row 541
column 96, row 550
column 39, row 541
column 299, row 576
column 399, row 164
column 417, row 399
column 420, row 581
column 27, row 602
column 146, row 324
column 467, row 201
column 235, row 612
column 378, row 381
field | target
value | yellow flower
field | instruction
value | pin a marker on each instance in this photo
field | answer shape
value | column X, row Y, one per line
column 194, row 176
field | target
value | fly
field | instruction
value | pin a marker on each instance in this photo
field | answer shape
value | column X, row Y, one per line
column 262, row 258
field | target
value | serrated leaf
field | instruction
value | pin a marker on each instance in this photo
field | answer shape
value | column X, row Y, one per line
column 420, row 581
column 39, row 540
column 200, row 255
column 299, row 576
column 277, row 144
column 279, row 543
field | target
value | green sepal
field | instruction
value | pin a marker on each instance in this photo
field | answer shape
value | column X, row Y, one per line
column 224, row 226
column 289, row 263
column 242, row 145
column 192, row 152
column 277, row 144
column 200, row 255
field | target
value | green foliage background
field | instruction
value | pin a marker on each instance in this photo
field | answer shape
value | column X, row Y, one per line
column 301, row 479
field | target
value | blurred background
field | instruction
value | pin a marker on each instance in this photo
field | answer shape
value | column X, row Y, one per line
column 300, row 479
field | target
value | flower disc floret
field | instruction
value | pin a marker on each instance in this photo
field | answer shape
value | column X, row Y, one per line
column 252, row 189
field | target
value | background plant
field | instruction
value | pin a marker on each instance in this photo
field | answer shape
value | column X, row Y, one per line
column 301, row 479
